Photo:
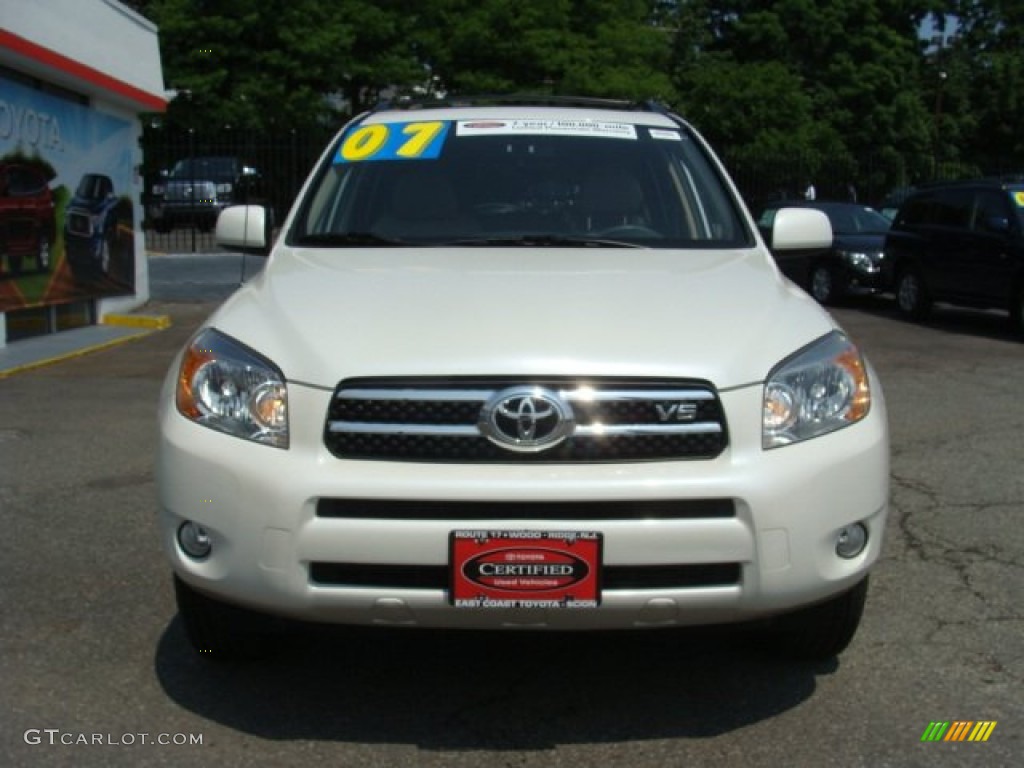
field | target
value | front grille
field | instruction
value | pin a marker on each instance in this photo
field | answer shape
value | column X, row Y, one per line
column 439, row 420
column 79, row 224
column 184, row 192
column 388, row 509
column 613, row 577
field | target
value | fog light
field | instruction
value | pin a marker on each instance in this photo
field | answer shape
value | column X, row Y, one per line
column 194, row 540
column 852, row 540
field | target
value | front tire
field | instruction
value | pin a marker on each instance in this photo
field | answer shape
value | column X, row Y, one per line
column 1017, row 312
column 821, row 631
column 220, row 631
column 824, row 287
column 912, row 296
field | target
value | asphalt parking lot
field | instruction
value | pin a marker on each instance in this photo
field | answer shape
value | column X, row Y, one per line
column 96, row 671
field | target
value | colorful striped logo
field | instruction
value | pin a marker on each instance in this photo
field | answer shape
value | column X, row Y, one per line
column 959, row 730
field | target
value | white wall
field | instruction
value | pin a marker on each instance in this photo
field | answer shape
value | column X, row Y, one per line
column 104, row 35
column 106, row 51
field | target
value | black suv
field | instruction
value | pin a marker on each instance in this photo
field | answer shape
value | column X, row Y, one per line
column 90, row 226
column 855, row 263
column 960, row 243
column 197, row 189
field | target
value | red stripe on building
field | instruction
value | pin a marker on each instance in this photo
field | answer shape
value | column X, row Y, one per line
column 148, row 101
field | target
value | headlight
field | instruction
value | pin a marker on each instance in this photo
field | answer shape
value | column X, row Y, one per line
column 820, row 389
column 223, row 189
column 860, row 260
column 226, row 386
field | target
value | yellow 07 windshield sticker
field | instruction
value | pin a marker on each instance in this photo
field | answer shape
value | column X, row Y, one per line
column 393, row 141
column 1019, row 197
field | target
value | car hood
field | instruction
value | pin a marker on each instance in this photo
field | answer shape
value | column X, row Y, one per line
column 858, row 242
column 726, row 317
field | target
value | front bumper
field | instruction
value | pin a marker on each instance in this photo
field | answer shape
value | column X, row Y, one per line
column 259, row 505
column 170, row 210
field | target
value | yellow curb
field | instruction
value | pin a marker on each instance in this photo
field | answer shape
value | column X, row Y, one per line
column 70, row 355
column 153, row 322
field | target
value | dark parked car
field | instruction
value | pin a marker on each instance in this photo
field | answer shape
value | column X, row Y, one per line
column 90, row 226
column 27, row 220
column 197, row 189
column 854, row 264
column 960, row 243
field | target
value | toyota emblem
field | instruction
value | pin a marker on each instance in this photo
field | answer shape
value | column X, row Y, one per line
column 526, row 419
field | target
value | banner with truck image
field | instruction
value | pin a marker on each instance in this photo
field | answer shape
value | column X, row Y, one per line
column 66, row 213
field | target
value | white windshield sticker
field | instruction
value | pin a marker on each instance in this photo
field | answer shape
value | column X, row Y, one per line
column 593, row 128
column 658, row 133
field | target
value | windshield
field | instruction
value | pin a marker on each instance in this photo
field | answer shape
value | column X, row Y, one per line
column 220, row 169
column 94, row 187
column 856, row 220
column 518, row 182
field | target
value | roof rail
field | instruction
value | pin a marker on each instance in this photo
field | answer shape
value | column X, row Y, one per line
column 520, row 99
column 1006, row 178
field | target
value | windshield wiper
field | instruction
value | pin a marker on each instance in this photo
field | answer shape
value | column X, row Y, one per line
column 343, row 239
column 545, row 241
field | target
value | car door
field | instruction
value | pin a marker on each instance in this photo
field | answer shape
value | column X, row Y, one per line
column 947, row 258
column 986, row 266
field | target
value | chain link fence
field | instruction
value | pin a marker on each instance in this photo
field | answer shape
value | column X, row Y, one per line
column 279, row 164
column 283, row 160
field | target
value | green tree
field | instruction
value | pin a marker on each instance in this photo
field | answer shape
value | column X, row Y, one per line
column 276, row 63
column 839, row 91
column 609, row 48
column 981, row 96
column 835, row 81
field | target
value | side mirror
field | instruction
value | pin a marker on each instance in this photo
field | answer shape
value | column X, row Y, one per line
column 246, row 228
column 800, row 229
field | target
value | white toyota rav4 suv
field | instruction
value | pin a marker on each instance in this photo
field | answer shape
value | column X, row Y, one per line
column 521, row 364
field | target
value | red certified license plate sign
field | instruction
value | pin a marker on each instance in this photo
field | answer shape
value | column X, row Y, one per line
column 525, row 569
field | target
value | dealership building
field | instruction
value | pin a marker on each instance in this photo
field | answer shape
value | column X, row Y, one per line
column 75, row 78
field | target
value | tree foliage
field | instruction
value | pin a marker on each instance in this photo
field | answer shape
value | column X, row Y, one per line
column 979, row 70
column 854, row 89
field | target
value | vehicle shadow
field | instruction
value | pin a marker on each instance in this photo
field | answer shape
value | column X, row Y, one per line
column 990, row 324
column 444, row 690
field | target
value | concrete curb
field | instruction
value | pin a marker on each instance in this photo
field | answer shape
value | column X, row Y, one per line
column 41, row 351
column 153, row 322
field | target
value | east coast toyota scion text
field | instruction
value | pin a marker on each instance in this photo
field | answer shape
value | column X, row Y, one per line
column 521, row 364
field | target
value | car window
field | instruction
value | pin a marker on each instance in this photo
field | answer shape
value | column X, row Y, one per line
column 517, row 182
column 991, row 212
column 915, row 212
column 767, row 218
column 94, row 187
column 953, row 208
column 856, row 219
column 24, row 182
column 220, row 169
